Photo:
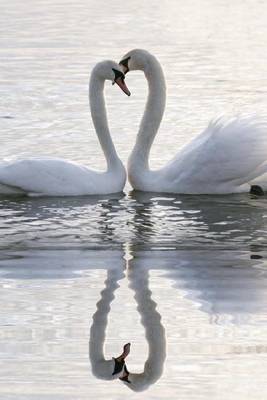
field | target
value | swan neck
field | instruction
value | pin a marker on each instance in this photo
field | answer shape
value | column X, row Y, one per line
column 100, row 318
column 99, row 117
column 153, row 113
column 154, row 330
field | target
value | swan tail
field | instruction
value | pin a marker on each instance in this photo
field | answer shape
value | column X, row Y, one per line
column 261, row 178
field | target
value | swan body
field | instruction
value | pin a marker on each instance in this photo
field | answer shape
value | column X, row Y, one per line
column 229, row 156
column 58, row 177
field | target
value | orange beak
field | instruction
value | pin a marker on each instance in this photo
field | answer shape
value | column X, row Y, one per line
column 120, row 82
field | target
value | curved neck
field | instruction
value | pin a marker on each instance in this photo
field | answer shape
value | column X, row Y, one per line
column 153, row 113
column 99, row 117
column 100, row 319
column 154, row 330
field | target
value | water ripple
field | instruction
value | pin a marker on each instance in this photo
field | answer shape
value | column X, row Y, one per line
column 138, row 218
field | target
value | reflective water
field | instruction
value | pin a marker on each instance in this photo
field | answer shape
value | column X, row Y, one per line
column 207, row 308
column 144, row 219
column 182, row 278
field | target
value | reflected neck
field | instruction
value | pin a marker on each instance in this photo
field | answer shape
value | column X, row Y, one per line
column 154, row 330
column 100, row 318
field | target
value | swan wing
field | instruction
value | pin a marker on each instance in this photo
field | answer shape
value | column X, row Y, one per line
column 224, row 158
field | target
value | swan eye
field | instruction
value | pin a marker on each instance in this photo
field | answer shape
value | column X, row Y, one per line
column 124, row 63
column 118, row 74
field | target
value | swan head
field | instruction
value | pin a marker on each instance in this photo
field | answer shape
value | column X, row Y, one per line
column 125, row 352
column 120, row 361
column 110, row 70
column 136, row 59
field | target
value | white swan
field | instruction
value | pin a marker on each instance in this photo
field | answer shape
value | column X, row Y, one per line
column 225, row 158
column 58, row 177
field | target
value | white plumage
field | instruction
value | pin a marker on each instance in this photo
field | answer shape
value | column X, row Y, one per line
column 58, row 177
column 227, row 157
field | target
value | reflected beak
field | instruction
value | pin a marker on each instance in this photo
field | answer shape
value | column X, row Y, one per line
column 120, row 82
column 126, row 350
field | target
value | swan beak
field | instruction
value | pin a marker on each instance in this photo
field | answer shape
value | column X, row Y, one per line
column 120, row 82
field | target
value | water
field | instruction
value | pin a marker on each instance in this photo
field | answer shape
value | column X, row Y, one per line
column 141, row 219
column 207, row 307
column 181, row 274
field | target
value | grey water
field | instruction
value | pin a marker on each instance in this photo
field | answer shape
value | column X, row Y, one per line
column 183, row 278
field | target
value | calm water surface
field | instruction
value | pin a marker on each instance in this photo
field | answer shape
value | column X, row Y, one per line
column 183, row 278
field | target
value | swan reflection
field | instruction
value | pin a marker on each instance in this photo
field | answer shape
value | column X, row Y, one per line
column 226, row 286
column 220, row 283
column 104, row 368
column 154, row 331
column 101, row 367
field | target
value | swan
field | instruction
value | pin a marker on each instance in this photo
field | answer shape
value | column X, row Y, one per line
column 58, row 177
column 229, row 156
